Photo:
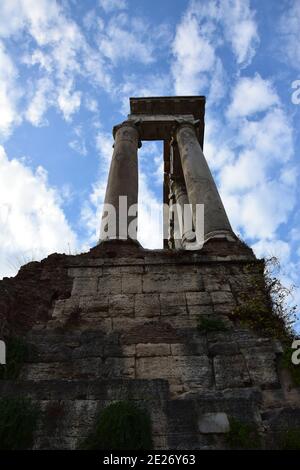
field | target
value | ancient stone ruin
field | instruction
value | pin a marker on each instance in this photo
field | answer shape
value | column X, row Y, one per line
column 162, row 328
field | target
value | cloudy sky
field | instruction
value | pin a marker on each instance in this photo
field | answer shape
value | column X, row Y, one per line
column 67, row 69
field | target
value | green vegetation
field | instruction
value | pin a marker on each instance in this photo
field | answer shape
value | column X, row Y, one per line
column 264, row 306
column 208, row 324
column 120, row 426
column 266, row 309
column 16, row 353
column 242, row 435
column 290, row 439
column 18, row 418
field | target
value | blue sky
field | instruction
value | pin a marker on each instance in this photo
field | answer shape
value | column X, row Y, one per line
column 67, row 70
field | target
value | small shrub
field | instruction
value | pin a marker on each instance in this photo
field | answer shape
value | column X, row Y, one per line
column 290, row 439
column 18, row 418
column 16, row 354
column 208, row 324
column 120, row 426
column 242, row 435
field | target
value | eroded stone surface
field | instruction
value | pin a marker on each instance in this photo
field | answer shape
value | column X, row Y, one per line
column 120, row 323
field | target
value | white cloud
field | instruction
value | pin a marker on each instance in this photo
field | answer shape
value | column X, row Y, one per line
column 146, row 85
column 78, row 143
column 264, row 209
column 270, row 248
column 204, row 28
column 194, row 57
column 111, row 5
column 9, row 93
column 91, row 211
column 68, row 100
column 240, row 29
column 59, row 53
column 128, row 38
column 288, row 38
column 251, row 95
column 43, row 95
column 33, row 223
column 253, row 158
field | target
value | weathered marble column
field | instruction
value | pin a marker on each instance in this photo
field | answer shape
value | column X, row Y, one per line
column 182, row 233
column 201, row 188
column 122, row 181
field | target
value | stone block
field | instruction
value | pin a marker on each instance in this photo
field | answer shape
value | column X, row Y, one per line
column 231, row 372
column 121, row 304
column 176, row 310
column 153, row 349
column 150, row 332
column 116, row 367
column 131, row 283
column 262, row 368
column 196, row 310
column 109, row 284
column 122, row 323
column 172, row 299
column 98, row 305
column 117, row 350
column 85, row 286
column 213, row 423
column 130, row 269
column 195, row 369
column 147, row 305
column 223, row 309
column 198, row 298
column 85, row 272
column 211, row 283
column 222, row 298
column 223, row 348
column 172, row 283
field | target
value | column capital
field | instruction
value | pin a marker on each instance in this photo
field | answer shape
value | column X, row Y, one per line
column 131, row 125
column 181, row 124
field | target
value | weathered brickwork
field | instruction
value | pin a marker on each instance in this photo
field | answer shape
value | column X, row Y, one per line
column 126, row 327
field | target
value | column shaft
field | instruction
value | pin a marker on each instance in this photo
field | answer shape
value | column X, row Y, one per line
column 201, row 187
column 122, row 181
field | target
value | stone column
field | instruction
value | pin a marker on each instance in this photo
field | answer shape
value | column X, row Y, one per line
column 182, row 233
column 122, row 181
column 201, row 188
column 181, row 200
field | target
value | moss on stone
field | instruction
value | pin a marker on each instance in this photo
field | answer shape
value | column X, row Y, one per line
column 120, row 426
column 18, row 419
column 206, row 324
column 290, row 439
column 242, row 435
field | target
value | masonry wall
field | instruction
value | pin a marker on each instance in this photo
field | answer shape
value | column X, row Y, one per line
column 121, row 323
